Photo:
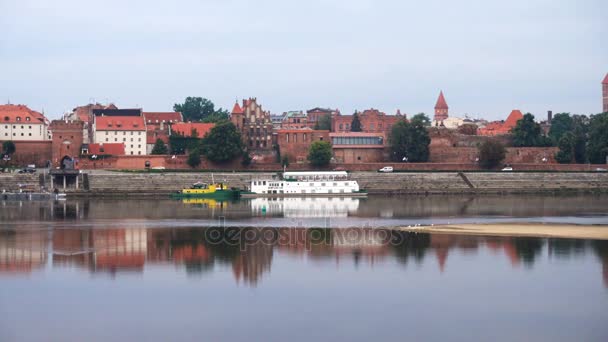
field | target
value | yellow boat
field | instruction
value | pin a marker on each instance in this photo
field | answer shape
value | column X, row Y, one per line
column 204, row 190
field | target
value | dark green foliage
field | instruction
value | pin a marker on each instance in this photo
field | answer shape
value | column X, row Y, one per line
column 560, row 124
column 421, row 119
column 491, row 154
column 597, row 148
column 285, row 161
column 355, row 125
column 565, row 155
column 324, row 123
column 194, row 158
column 319, row 153
column 580, row 129
column 527, row 133
column 180, row 144
column 200, row 109
column 159, row 147
column 8, row 147
column 223, row 143
column 246, row 161
column 409, row 141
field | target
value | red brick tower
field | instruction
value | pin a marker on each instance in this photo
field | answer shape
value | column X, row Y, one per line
column 441, row 108
column 605, row 94
column 237, row 116
column 67, row 140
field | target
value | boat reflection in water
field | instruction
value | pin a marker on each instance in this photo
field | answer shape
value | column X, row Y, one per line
column 301, row 207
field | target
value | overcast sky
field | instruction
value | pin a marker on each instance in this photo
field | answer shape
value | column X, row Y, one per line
column 487, row 56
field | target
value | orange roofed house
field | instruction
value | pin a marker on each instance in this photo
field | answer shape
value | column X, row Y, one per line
column 19, row 123
column 501, row 127
column 113, row 149
column 129, row 130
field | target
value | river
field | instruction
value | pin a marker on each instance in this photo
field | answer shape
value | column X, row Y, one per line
column 299, row 269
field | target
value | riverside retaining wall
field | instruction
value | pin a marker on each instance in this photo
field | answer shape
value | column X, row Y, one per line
column 120, row 184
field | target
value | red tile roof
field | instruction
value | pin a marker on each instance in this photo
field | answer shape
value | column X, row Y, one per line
column 512, row 119
column 441, row 104
column 605, row 81
column 186, row 128
column 151, row 137
column 120, row 123
column 158, row 117
column 237, row 109
column 10, row 113
column 114, row 149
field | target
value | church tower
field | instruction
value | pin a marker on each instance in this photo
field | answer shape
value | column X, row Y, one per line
column 441, row 108
column 605, row 94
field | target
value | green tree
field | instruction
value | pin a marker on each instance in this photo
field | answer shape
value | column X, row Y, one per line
column 159, row 147
column 580, row 129
column 324, row 123
column 597, row 148
column 409, row 141
column 491, row 154
column 319, row 153
column 560, row 124
column 355, row 125
column 421, row 119
column 566, row 148
column 194, row 158
column 8, row 147
column 527, row 133
column 200, row 109
column 246, row 161
column 223, row 143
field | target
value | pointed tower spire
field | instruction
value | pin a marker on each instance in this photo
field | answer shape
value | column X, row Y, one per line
column 441, row 108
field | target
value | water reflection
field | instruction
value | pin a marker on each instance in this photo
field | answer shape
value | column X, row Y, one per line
column 250, row 252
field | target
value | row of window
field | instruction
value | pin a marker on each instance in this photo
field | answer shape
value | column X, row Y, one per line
column 357, row 140
column 15, row 127
column 123, row 139
column 371, row 126
column 123, row 133
column 27, row 118
column 15, row 134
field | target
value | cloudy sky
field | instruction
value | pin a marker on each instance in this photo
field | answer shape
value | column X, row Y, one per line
column 487, row 56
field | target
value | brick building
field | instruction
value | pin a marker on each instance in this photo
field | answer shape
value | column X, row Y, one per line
column 254, row 123
column 359, row 147
column 605, row 94
column 294, row 120
column 502, row 127
column 85, row 114
column 158, row 127
column 189, row 129
column 441, row 108
column 313, row 115
column 372, row 121
column 295, row 143
column 68, row 139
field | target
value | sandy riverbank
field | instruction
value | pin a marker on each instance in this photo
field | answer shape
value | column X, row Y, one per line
column 599, row 232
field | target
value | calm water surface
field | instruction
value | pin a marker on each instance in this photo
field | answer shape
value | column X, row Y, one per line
column 322, row 269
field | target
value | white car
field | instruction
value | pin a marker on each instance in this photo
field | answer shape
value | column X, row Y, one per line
column 508, row 168
column 386, row 169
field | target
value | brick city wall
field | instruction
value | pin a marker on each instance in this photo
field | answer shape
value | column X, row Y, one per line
column 515, row 155
column 31, row 152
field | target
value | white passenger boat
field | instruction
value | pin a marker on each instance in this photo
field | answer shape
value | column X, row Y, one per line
column 331, row 183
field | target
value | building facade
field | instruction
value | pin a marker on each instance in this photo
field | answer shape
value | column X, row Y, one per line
column 295, row 143
column 19, row 123
column 158, row 127
column 129, row 130
column 68, row 137
column 254, row 123
column 502, row 127
column 294, row 120
column 315, row 114
column 359, row 147
column 372, row 121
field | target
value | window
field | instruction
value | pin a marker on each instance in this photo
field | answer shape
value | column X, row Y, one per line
column 131, row 139
column 30, row 134
column 106, row 132
column 6, row 118
column 106, row 139
column 287, row 137
column 340, row 126
column 139, row 152
column 27, row 118
column 18, row 118
column 30, row 127
column 115, row 139
column 304, row 137
column 131, row 152
column 21, row 134
column 124, row 139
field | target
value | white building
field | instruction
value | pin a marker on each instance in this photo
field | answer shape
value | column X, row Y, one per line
column 19, row 123
column 129, row 130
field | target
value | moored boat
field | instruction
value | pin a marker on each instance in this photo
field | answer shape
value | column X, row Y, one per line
column 205, row 190
column 294, row 184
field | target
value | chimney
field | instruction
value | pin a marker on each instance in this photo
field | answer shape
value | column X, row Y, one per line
column 549, row 116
